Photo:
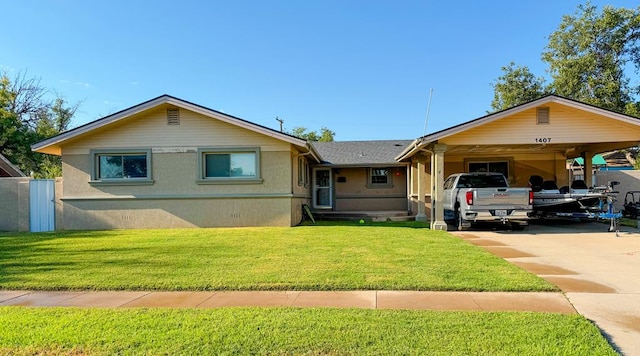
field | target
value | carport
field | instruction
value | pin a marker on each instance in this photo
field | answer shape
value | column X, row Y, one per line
column 535, row 138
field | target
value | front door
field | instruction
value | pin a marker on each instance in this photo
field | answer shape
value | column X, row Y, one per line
column 322, row 188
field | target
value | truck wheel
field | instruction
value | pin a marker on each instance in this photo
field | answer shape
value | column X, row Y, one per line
column 517, row 227
column 460, row 222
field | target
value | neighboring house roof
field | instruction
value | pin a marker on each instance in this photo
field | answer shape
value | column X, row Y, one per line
column 7, row 169
column 618, row 159
column 360, row 153
column 423, row 141
column 597, row 160
column 52, row 144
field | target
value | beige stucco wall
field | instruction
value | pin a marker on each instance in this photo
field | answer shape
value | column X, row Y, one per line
column 551, row 166
column 176, row 198
column 175, row 213
column 176, row 174
column 14, row 204
column 354, row 194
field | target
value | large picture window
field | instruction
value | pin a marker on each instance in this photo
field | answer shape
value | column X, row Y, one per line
column 121, row 166
column 218, row 165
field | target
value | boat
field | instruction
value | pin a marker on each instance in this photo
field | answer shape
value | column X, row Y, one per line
column 576, row 201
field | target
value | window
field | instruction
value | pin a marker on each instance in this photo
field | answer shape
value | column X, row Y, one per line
column 303, row 171
column 495, row 165
column 379, row 178
column 121, row 166
column 240, row 165
column 499, row 167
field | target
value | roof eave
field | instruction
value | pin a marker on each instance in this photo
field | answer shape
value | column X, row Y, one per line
column 51, row 145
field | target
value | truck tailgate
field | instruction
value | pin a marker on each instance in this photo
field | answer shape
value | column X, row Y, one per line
column 500, row 197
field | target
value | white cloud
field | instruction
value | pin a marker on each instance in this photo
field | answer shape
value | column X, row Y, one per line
column 83, row 84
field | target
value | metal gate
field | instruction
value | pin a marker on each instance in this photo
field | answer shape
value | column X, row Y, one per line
column 42, row 205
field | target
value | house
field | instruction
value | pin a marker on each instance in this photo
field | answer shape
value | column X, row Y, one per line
column 171, row 163
column 360, row 176
column 7, row 169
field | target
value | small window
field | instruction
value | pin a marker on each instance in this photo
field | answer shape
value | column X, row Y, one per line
column 229, row 165
column 379, row 178
column 121, row 166
column 303, row 172
column 542, row 116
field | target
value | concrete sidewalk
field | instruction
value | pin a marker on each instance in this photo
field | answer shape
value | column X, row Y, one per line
column 484, row 301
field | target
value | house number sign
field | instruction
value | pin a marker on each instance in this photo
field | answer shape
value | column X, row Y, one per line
column 543, row 139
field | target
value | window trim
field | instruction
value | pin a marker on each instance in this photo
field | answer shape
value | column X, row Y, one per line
column 95, row 154
column 201, row 174
column 371, row 185
column 487, row 160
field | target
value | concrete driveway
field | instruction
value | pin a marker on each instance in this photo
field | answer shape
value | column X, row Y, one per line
column 599, row 272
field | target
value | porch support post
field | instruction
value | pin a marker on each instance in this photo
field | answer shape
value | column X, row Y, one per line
column 421, row 216
column 588, row 168
column 437, row 187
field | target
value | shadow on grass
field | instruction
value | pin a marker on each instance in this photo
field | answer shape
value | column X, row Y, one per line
column 368, row 223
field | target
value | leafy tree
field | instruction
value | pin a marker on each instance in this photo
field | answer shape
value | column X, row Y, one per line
column 589, row 57
column 325, row 135
column 589, row 52
column 50, row 123
column 26, row 117
column 516, row 86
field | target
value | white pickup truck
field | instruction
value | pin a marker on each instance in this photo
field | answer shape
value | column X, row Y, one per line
column 485, row 197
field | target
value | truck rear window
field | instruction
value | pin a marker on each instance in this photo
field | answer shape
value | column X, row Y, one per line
column 482, row 181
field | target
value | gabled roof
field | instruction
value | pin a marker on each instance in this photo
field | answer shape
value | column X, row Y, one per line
column 8, row 168
column 423, row 141
column 360, row 153
column 49, row 145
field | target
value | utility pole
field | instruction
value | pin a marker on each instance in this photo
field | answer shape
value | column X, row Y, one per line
column 281, row 121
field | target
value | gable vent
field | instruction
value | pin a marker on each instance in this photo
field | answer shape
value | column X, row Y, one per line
column 173, row 117
column 543, row 116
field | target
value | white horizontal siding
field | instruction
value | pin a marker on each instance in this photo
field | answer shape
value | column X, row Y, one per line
column 150, row 129
column 566, row 125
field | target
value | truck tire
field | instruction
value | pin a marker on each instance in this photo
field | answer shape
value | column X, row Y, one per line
column 517, row 227
column 460, row 222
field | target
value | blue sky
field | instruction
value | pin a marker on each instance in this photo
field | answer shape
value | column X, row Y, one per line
column 364, row 69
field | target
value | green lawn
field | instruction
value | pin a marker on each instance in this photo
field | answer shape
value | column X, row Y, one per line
column 334, row 257
column 280, row 331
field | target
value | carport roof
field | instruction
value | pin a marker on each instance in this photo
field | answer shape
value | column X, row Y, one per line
column 424, row 141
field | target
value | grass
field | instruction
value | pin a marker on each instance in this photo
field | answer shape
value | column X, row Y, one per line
column 347, row 256
column 73, row 331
